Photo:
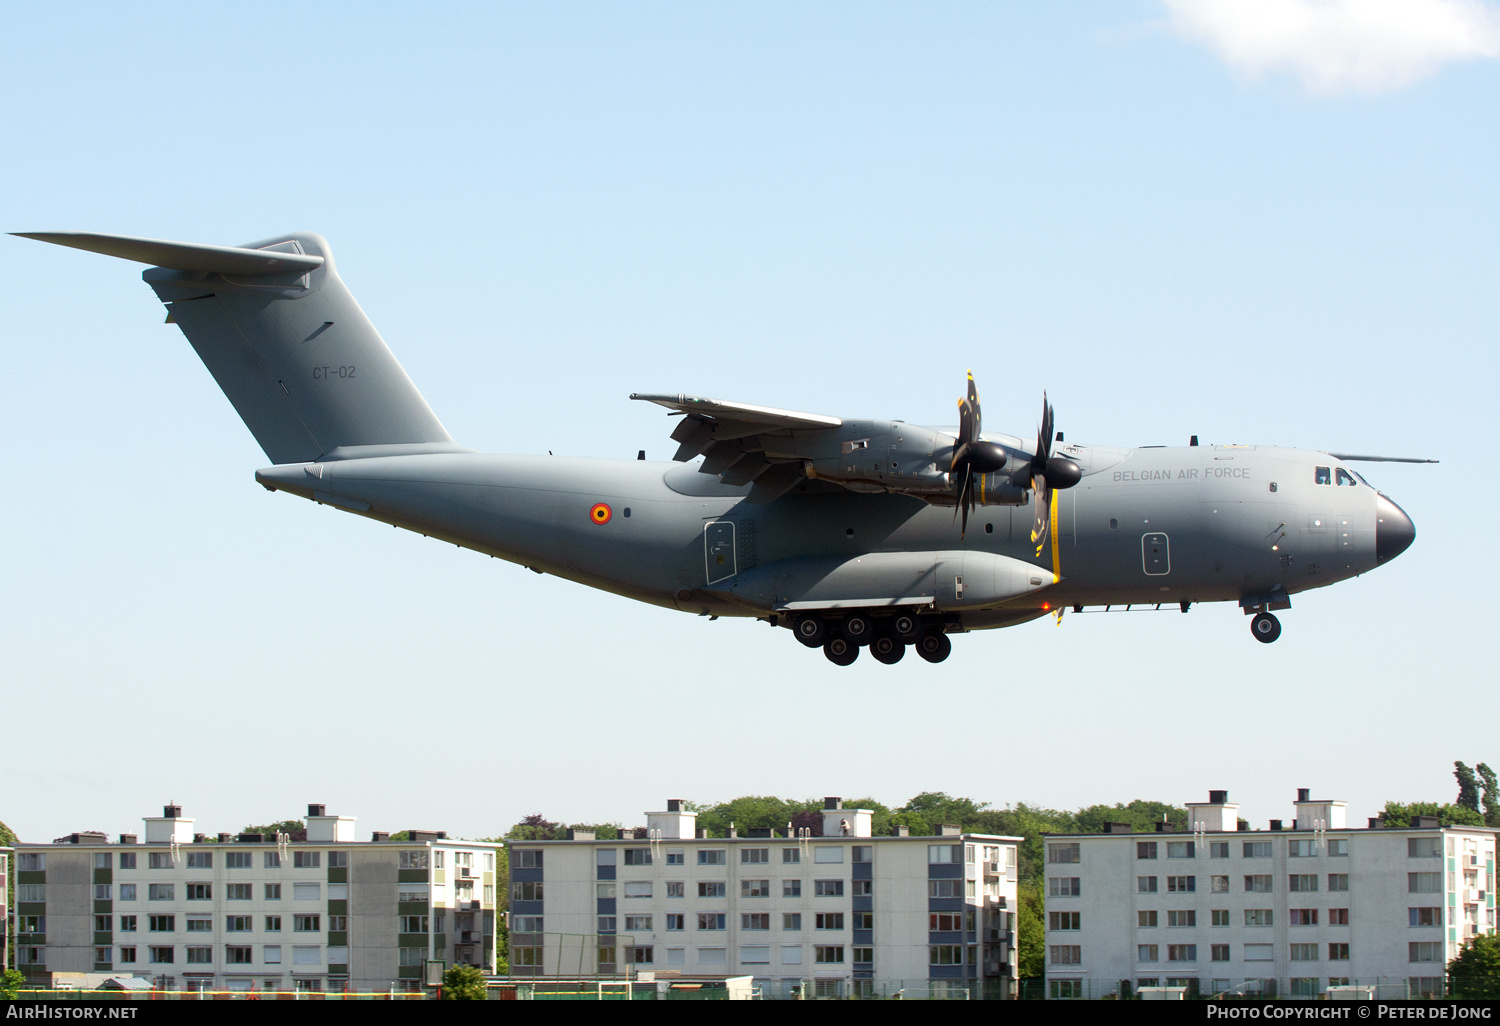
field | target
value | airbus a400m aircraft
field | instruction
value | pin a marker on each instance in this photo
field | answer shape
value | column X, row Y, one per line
column 852, row 533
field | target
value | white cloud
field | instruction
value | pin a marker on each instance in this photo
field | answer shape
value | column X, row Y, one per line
column 1339, row 46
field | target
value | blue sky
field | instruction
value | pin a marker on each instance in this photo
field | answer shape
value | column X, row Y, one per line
column 1175, row 217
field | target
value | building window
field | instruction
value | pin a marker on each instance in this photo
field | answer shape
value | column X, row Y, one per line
column 829, row 955
column 310, row 954
column 864, row 956
column 1424, row 951
column 1338, row 952
column 1182, row 884
column 237, row 892
column 199, row 891
column 1424, row 917
column 127, row 955
column 638, row 923
column 606, row 924
column 710, row 856
column 200, row 956
column 127, row 892
column 674, row 856
column 101, row 892
column 306, row 924
column 338, row 860
column 1182, row 917
column 945, row 922
column 159, row 860
column 713, row 956
column 639, row 955
column 237, row 860
column 1301, row 849
column 307, row 891
column 1218, row 884
column 127, row 860
column 1181, row 850
column 1258, row 884
column 273, row 924
column 675, row 889
column 1424, row 847
column 791, row 856
column 1218, row 952
column 1426, row 987
column 1146, row 953
column 791, row 920
column 34, row 892
column 531, row 890
column 161, row 892
column 711, row 920
column 1338, row 917
column 162, row 924
column 791, row 888
column 755, row 921
column 418, row 924
column 754, row 856
column 1145, row 885
column 1257, row 849
column 306, row 859
column 829, row 921
column 1420, row 883
column 273, row 892
column 605, row 856
column 1145, row 849
column 1071, row 852
column 200, row 860
column 418, row 859
column 1057, row 887
column 711, row 888
column 1218, row 849
column 271, row 859
column 862, row 888
column 1302, row 882
column 829, row 855
column 640, row 888
column 1260, row 952
column 755, row 888
column 862, row 853
column 1146, row 919
column 1065, row 990
column 270, row 954
column 1304, row 953
column 1259, row 917
column 1302, row 917
column 127, row 924
column 638, row 856
column 237, row 924
column 162, row 955
column 834, row 888
column 951, row 854
column 200, row 924
column 1182, row 952
column 1338, row 847
column 864, row 920
column 1062, row 921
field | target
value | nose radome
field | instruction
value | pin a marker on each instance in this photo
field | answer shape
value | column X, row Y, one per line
column 1394, row 531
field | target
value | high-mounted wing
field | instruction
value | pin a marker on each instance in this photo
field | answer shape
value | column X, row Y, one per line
column 738, row 441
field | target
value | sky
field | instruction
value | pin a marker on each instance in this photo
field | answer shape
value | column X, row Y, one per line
column 1272, row 222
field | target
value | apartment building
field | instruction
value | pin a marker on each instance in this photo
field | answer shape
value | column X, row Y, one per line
column 1289, row 911
column 844, row 913
column 5, row 857
column 251, row 912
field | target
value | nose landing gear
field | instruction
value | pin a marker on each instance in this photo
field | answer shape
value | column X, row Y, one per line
column 1265, row 627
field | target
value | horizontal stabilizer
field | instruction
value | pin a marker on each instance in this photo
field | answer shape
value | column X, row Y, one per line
column 183, row 256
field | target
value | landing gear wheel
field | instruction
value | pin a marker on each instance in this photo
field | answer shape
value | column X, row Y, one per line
column 1265, row 627
column 904, row 628
column 841, row 651
column 810, row 630
column 934, row 647
column 887, row 650
column 859, row 628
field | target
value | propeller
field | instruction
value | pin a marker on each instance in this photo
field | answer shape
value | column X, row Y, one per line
column 971, row 455
column 1048, row 472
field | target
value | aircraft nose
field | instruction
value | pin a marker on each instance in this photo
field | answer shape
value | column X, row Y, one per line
column 1394, row 531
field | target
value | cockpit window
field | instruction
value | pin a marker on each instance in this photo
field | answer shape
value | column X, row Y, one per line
column 1362, row 479
column 1323, row 475
column 1343, row 477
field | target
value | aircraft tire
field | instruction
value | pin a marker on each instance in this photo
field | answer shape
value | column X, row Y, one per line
column 904, row 627
column 810, row 630
column 887, row 649
column 934, row 647
column 859, row 628
column 840, row 651
column 1265, row 627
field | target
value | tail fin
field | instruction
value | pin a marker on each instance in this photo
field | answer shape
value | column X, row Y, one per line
column 286, row 341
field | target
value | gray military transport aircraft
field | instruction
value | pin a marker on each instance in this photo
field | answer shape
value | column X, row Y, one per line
column 852, row 533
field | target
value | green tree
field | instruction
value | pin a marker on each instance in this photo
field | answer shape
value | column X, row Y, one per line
column 11, row 981
column 7, row 837
column 537, row 827
column 1400, row 816
column 1468, row 787
column 1491, row 799
column 293, row 827
column 463, row 983
column 1475, row 970
column 1031, row 951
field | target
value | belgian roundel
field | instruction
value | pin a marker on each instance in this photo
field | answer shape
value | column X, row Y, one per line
column 601, row 513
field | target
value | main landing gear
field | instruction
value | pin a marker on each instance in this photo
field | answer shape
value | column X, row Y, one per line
column 887, row 637
column 1265, row 627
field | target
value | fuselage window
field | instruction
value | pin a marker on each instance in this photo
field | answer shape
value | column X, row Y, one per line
column 1323, row 475
column 1343, row 477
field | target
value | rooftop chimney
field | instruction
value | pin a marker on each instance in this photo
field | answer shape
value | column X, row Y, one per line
column 171, row 811
column 1218, row 797
column 225, row 838
column 380, row 835
column 1275, row 824
column 674, row 804
column 127, row 838
column 829, row 804
column 1304, row 794
column 317, row 810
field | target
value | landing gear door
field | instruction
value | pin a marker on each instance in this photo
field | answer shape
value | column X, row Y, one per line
column 718, row 550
